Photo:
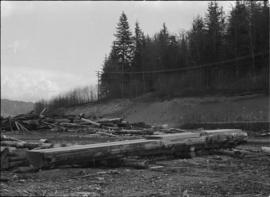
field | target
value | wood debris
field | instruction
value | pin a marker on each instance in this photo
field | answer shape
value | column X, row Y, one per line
column 65, row 123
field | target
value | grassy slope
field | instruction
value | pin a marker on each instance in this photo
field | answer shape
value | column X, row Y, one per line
column 182, row 110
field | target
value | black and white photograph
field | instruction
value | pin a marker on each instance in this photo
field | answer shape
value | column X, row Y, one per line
column 135, row 98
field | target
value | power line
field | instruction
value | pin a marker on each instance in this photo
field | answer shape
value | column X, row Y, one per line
column 192, row 67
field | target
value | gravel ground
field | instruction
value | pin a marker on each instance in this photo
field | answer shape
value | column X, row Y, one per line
column 208, row 175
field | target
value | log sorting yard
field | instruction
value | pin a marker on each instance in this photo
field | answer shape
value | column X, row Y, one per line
column 69, row 155
column 135, row 99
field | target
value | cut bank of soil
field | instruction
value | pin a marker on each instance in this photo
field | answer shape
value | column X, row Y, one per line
column 179, row 111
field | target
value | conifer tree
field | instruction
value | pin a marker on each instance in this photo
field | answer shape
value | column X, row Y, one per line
column 124, row 44
column 139, row 44
column 197, row 41
column 237, row 34
column 215, row 23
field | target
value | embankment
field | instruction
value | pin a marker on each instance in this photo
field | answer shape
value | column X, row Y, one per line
column 178, row 111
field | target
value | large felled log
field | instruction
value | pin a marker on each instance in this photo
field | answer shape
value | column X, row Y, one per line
column 65, row 124
column 176, row 144
column 110, row 120
column 13, row 164
column 29, row 116
column 20, row 127
column 16, row 158
column 266, row 150
column 41, row 114
column 4, row 157
column 16, row 144
column 134, row 163
column 8, row 138
column 32, row 124
column 81, row 154
column 61, row 120
column 22, row 144
column 91, row 122
column 55, row 127
column 135, row 132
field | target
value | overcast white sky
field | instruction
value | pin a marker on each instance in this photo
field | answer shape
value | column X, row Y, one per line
column 50, row 47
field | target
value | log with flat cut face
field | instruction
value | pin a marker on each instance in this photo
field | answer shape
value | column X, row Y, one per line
column 4, row 157
column 177, row 144
column 81, row 154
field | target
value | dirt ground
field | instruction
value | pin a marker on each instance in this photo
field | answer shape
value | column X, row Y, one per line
column 205, row 175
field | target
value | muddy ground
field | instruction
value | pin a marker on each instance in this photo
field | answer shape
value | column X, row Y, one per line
column 203, row 175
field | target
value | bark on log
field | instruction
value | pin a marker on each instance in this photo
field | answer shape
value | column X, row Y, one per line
column 13, row 144
column 41, row 114
column 134, row 163
column 13, row 164
column 111, row 120
column 106, row 134
column 4, row 157
column 266, row 150
column 7, row 138
column 22, row 144
column 61, row 120
column 65, row 124
column 135, row 132
column 91, row 122
column 81, row 154
column 17, row 158
column 177, row 144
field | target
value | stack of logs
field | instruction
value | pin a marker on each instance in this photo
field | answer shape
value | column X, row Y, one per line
column 13, row 151
column 113, row 126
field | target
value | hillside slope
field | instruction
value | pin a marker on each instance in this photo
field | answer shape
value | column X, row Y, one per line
column 178, row 111
column 12, row 108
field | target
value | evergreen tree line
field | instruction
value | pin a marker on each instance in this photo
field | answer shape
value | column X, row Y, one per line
column 78, row 96
column 218, row 54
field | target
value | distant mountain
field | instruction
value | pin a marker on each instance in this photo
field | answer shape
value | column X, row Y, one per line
column 12, row 108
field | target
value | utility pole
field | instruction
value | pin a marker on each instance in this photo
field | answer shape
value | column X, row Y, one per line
column 98, row 85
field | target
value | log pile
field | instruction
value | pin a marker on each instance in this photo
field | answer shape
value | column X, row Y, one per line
column 13, row 151
column 113, row 126
column 153, row 141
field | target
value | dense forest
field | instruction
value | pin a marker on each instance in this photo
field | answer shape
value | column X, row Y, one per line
column 218, row 54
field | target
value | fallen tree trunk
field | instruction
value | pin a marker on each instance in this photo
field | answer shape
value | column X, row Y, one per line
column 111, row 120
column 266, row 150
column 135, row 163
column 41, row 114
column 65, row 124
column 4, row 157
column 91, row 122
column 134, row 132
column 13, row 164
column 22, row 144
column 176, row 144
column 82, row 154
column 8, row 138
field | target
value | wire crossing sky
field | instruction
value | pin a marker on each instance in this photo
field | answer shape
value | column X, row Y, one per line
column 50, row 47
